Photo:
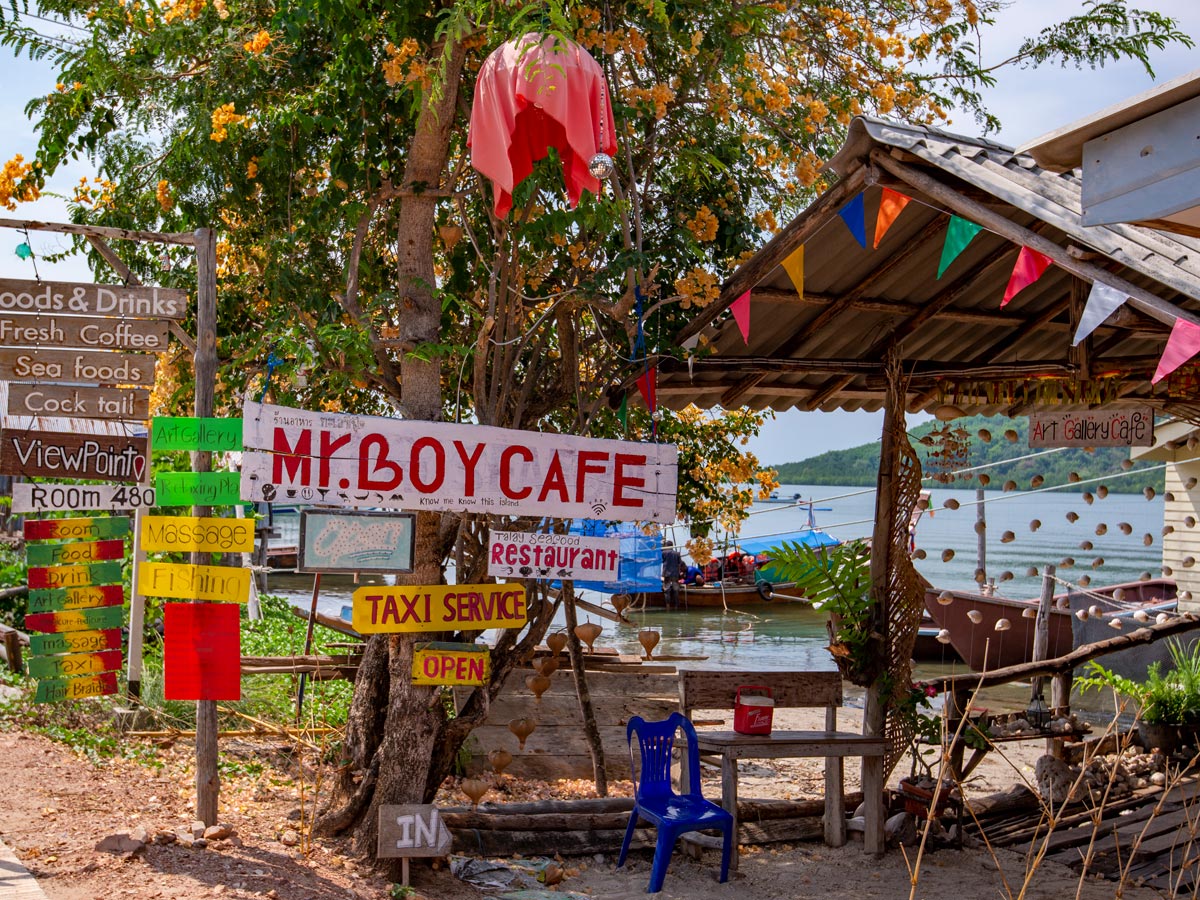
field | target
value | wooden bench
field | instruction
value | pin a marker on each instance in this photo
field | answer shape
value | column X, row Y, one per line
column 715, row 690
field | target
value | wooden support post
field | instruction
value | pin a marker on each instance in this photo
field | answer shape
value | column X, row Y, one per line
column 588, row 715
column 1041, row 642
column 308, row 638
column 208, row 781
column 137, row 606
column 981, row 535
column 12, row 651
column 875, row 713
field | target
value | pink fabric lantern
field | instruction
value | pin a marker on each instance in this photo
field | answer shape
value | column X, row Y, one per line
column 532, row 94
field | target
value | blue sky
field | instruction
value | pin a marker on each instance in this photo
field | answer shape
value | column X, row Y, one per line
column 1028, row 102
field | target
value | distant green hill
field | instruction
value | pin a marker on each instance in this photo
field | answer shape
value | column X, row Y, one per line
column 860, row 465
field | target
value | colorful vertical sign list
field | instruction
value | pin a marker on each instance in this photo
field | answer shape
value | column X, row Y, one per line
column 75, row 601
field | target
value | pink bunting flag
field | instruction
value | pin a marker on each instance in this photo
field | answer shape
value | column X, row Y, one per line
column 891, row 204
column 741, row 315
column 1029, row 268
column 648, row 387
column 1182, row 345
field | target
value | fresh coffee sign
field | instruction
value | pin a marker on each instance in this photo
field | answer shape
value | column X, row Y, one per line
column 80, row 331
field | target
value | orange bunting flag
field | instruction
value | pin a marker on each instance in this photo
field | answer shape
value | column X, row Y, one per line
column 1182, row 345
column 741, row 314
column 1029, row 268
column 794, row 265
column 891, row 204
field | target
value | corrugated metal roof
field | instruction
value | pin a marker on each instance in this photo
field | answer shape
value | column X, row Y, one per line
column 825, row 351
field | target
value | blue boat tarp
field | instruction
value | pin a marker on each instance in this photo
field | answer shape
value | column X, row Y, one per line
column 809, row 537
column 640, row 568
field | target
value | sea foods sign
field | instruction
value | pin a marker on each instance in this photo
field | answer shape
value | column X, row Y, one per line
column 359, row 461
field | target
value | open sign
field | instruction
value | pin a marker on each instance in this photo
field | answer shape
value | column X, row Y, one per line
column 442, row 663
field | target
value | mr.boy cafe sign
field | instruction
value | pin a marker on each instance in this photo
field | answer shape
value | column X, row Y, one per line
column 358, row 461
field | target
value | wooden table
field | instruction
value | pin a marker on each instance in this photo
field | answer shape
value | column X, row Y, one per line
column 731, row 747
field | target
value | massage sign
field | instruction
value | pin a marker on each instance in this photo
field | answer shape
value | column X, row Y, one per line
column 76, row 601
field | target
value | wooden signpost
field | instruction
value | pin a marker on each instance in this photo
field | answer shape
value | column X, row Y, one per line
column 192, row 433
column 67, row 554
column 59, row 599
column 46, row 497
column 75, row 576
column 350, row 461
column 440, row 607
column 349, row 542
column 69, row 401
column 197, row 488
column 194, row 582
column 81, row 331
column 133, row 300
column 1093, row 428
column 409, row 831
column 55, row 454
column 197, row 534
column 447, row 663
column 77, row 367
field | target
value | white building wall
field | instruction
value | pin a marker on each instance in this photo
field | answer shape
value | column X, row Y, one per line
column 1181, row 506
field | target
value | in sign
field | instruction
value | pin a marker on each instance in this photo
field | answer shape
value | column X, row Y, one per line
column 412, row 830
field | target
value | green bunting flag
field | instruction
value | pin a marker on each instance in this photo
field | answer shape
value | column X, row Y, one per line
column 959, row 233
column 623, row 413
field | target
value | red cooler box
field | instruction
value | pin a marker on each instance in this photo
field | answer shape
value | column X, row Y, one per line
column 753, row 709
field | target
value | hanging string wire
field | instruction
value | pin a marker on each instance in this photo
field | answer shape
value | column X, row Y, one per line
column 32, row 255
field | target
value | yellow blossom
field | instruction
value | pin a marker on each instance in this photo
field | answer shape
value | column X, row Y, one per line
column 14, row 188
column 163, row 195
column 258, row 43
column 222, row 117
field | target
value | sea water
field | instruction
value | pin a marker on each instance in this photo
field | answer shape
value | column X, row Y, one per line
column 793, row 636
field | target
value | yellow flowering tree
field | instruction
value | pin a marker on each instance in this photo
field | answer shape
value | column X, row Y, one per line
column 325, row 142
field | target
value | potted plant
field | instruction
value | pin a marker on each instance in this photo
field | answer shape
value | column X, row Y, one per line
column 838, row 579
column 1169, row 704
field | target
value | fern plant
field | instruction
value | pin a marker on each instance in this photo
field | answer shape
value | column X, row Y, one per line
column 838, row 580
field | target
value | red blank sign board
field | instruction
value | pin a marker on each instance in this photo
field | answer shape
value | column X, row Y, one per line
column 202, row 651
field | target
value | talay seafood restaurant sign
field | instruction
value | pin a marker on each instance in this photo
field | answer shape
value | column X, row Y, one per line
column 77, row 366
column 46, row 497
column 360, row 461
column 136, row 301
column 380, row 608
column 55, row 454
column 1093, row 428
column 78, row 402
column 516, row 554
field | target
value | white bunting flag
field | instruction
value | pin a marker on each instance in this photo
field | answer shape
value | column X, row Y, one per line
column 1102, row 302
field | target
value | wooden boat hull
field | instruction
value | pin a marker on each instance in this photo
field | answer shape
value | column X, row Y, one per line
column 710, row 596
column 982, row 647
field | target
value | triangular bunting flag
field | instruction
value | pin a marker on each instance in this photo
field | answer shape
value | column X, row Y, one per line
column 690, row 346
column 623, row 413
column 648, row 387
column 959, row 233
column 1182, row 345
column 1029, row 268
column 891, row 204
column 854, row 214
column 794, row 265
column 741, row 315
column 1102, row 302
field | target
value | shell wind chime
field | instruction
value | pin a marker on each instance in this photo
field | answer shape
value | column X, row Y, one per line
column 649, row 639
column 522, row 728
column 949, row 451
column 588, row 632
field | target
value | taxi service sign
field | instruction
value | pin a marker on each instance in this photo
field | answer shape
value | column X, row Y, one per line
column 443, row 663
column 443, row 607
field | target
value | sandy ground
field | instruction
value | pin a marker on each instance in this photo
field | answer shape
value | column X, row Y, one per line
column 58, row 805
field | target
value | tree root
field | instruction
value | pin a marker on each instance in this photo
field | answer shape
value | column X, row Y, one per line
column 334, row 823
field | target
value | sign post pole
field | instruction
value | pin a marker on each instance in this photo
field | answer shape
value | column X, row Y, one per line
column 208, row 783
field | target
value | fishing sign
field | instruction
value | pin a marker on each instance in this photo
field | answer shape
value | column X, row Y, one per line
column 360, row 461
column 517, row 554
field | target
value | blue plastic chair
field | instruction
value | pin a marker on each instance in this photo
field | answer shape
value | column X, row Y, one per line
column 672, row 814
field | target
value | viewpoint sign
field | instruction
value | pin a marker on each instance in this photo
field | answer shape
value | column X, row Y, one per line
column 134, row 301
column 297, row 456
column 60, row 454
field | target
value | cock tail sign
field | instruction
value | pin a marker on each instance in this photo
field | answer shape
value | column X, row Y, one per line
column 296, row 456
